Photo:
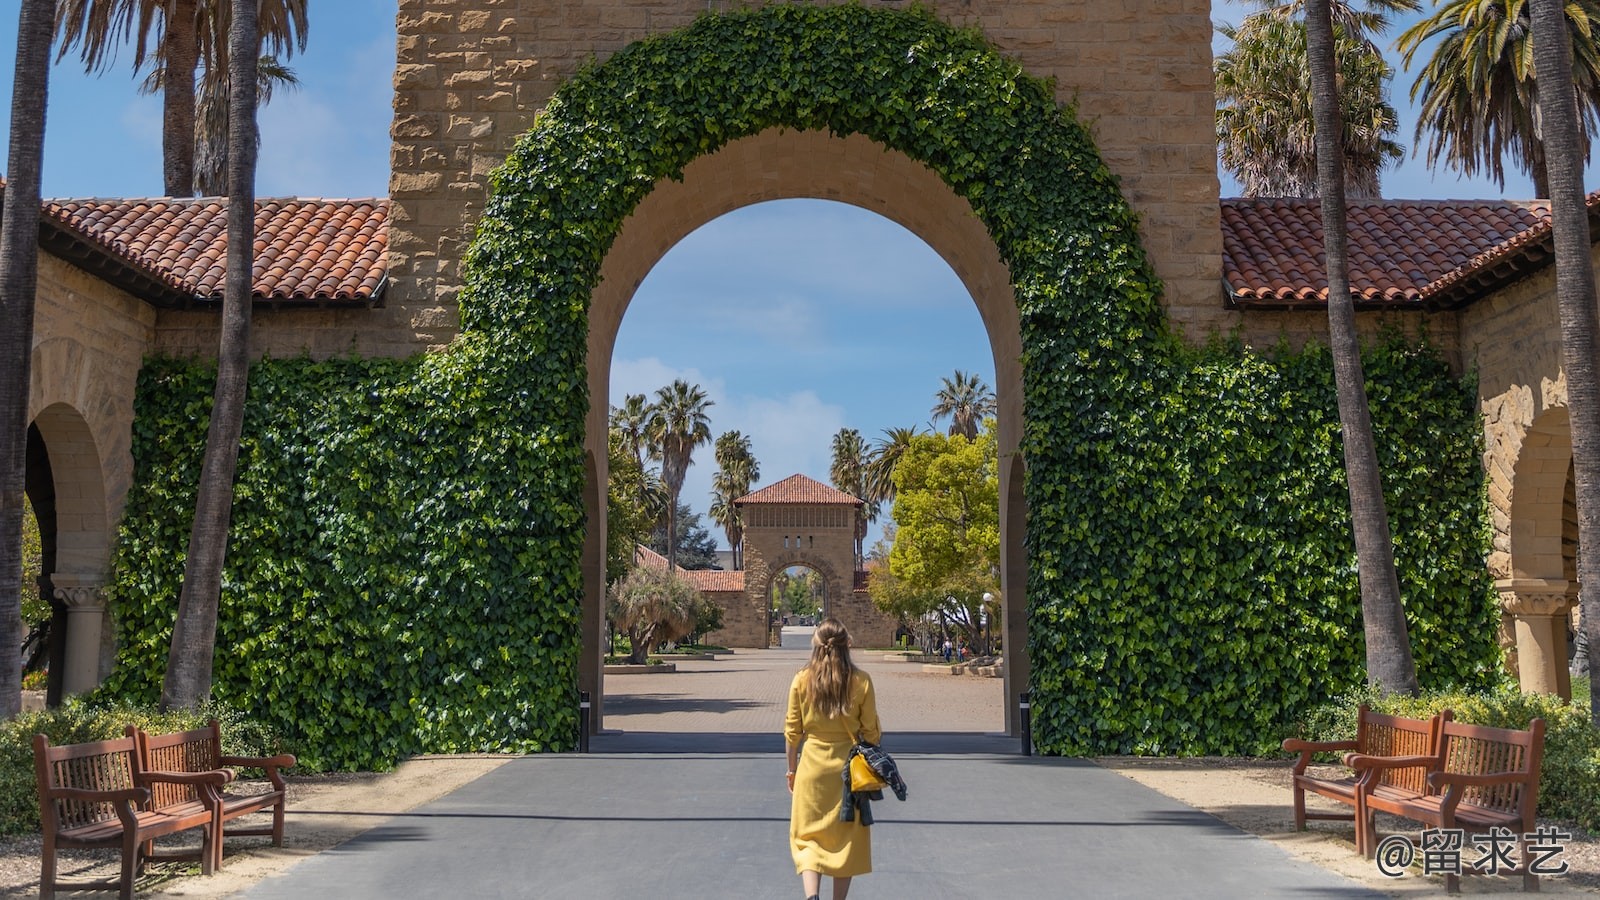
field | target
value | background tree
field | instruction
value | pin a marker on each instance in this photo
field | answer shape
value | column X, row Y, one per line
column 1479, row 90
column 677, row 424
column 967, row 401
column 631, row 421
column 798, row 592
column 19, row 281
column 737, row 470
column 1565, row 152
column 651, row 606
column 881, row 461
column 188, row 678
column 635, row 500
column 1389, row 663
column 183, row 38
column 946, row 552
column 694, row 548
column 1265, row 129
column 848, row 472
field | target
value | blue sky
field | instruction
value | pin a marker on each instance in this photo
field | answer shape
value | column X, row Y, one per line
column 797, row 317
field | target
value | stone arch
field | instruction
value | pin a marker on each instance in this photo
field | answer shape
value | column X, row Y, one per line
column 1541, row 591
column 81, row 540
column 777, row 165
column 987, row 168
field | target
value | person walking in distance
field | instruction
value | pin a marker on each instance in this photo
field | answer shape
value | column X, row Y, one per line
column 831, row 704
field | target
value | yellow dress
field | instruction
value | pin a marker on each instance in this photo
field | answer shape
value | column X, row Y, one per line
column 819, row 841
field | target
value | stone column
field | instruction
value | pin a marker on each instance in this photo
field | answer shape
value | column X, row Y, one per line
column 1539, row 608
column 84, row 597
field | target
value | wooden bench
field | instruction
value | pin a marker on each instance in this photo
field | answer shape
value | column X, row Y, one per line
column 1379, row 736
column 95, row 795
column 1479, row 779
column 200, row 750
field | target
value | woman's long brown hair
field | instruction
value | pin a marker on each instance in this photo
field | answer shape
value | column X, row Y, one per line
column 830, row 669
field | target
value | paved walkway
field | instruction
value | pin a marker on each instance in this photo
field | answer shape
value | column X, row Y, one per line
column 684, row 798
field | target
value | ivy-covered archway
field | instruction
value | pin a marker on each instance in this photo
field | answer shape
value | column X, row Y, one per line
column 407, row 568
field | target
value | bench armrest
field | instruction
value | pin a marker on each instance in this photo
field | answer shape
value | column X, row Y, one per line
column 281, row 761
column 1296, row 745
column 1364, row 761
column 1306, row 748
column 215, row 778
column 271, row 764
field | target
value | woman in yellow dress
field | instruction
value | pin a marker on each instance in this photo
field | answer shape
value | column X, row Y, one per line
column 830, row 705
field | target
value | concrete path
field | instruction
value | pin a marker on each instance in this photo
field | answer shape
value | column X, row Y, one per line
column 684, row 797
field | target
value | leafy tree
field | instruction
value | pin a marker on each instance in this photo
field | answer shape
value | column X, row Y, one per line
column 635, row 500
column 848, row 472
column 967, row 401
column 1389, row 663
column 737, row 470
column 1265, row 130
column 188, row 679
column 677, row 424
column 798, row 592
column 650, row 606
column 695, row 548
column 1479, row 91
column 183, row 38
column 1565, row 152
column 34, row 607
column 946, row 552
column 19, row 280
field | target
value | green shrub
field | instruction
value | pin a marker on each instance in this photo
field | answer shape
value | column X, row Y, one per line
column 85, row 721
column 1569, row 780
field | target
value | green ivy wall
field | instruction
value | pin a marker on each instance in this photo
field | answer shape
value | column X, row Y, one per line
column 404, row 571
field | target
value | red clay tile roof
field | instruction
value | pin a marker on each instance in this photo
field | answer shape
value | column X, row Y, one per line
column 1403, row 253
column 708, row 580
column 644, row 556
column 173, row 251
column 798, row 489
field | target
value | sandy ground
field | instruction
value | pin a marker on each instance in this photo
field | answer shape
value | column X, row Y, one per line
column 327, row 810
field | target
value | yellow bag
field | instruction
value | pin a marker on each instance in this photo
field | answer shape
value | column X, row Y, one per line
column 863, row 777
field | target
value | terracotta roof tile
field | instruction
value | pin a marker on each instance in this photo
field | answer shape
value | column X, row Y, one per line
column 308, row 252
column 714, row 579
column 799, row 489
column 1404, row 253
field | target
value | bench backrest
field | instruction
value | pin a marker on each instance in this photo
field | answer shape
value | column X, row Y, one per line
column 1481, row 750
column 197, row 750
column 100, row 766
column 1380, row 734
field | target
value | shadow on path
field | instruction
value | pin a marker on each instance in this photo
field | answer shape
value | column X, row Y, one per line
column 724, row 742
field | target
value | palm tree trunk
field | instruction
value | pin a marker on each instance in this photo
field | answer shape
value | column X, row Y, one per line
column 1389, row 663
column 19, row 280
column 188, row 679
column 1580, row 329
column 178, row 99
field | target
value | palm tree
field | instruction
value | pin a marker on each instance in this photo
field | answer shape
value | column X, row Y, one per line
column 211, row 120
column 632, row 420
column 1389, row 663
column 1265, row 133
column 885, row 455
column 966, row 400
column 1361, row 25
column 1479, row 90
column 737, row 470
column 849, row 474
column 19, row 279
column 188, row 679
column 677, row 424
column 1565, row 151
column 180, row 37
